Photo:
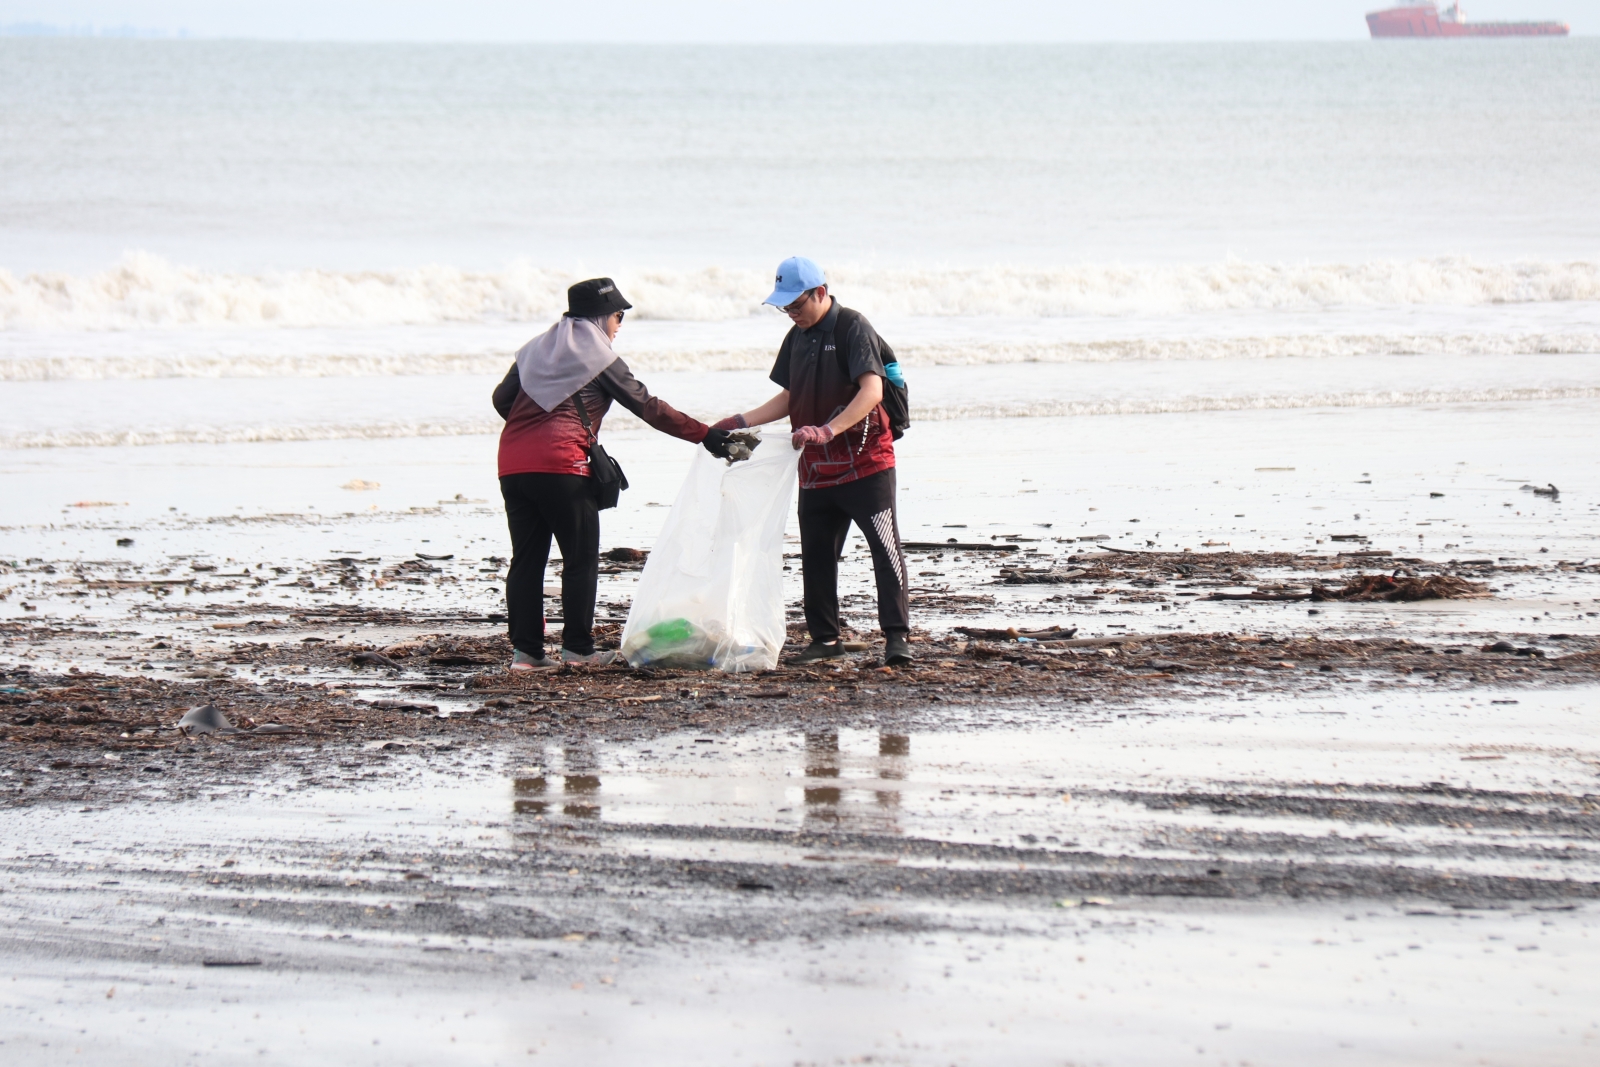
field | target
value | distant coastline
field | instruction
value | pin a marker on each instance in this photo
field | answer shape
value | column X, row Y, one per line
column 85, row 29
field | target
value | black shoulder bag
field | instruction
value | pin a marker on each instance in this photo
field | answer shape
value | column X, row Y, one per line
column 609, row 481
column 896, row 398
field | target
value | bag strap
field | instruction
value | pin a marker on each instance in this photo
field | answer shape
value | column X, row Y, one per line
column 841, row 328
column 583, row 415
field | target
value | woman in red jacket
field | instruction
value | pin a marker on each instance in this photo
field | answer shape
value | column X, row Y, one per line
column 544, row 464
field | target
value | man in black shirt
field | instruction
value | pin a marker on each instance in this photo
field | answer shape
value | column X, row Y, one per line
column 831, row 376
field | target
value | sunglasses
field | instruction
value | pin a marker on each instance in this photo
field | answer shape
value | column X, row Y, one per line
column 620, row 315
column 794, row 308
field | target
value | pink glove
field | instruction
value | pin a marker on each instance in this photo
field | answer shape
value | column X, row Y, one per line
column 732, row 422
column 811, row 435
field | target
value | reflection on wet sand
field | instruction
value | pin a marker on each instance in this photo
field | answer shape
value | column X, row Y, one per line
column 579, row 784
column 859, row 803
column 845, row 789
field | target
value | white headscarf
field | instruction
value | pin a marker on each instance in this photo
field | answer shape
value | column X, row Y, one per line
column 562, row 360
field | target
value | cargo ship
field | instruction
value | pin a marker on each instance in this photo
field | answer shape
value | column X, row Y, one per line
column 1426, row 20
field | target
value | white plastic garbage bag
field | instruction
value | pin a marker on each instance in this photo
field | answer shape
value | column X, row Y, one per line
column 711, row 594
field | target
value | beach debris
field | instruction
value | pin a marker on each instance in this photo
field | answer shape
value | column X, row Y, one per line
column 1011, row 633
column 274, row 728
column 956, row 546
column 1508, row 647
column 447, row 658
column 1267, row 596
column 405, row 705
column 124, row 542
column 1044, row 576
column 230, row 963
column 741, row 443
column 374, row 659
column 361, row 485
column 424, row 555
column 205, row 719
column 1397, row 588
column 1548, row 490
column 99, row 504
column 625, row 555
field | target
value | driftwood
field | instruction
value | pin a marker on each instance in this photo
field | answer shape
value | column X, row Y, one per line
column 940, row 546
column 1011, row 633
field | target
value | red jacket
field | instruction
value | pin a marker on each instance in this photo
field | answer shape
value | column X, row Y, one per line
column 536, row 441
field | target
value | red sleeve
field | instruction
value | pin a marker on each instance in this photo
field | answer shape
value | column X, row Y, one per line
column 620, row 384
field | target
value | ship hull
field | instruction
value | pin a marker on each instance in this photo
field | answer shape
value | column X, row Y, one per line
column 1424, row 21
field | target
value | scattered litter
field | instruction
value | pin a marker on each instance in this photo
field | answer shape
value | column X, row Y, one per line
column 274, row 728
column 360, row 485
column 124, row 542
column 375, row 659
column 1085, row 902
column 1549, row 490
column 205, row 720
column 230, row 963
column 625, row 555
column 424, row 555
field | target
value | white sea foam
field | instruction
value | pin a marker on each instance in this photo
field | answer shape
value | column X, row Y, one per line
column 145, row 291
column 954, row 354
column 111, row 437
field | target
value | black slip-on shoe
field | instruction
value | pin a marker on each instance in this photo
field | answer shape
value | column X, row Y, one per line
column 897, row 652
column 820, row 650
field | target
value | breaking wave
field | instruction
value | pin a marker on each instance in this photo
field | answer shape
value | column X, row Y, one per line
column 352, row 365
column 146, row 291
column 943, row 413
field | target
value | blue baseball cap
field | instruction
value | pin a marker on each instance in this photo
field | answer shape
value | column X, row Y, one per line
column 796, row 275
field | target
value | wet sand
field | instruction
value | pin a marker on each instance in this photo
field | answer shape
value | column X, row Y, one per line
column 1222, row 814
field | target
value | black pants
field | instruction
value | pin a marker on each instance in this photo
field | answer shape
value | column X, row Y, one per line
column 825, row 518
column 537, row 506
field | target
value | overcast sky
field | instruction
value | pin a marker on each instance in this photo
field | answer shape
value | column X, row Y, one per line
column 748, row 20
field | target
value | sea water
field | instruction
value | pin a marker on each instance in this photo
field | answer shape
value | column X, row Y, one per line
column 226, row 242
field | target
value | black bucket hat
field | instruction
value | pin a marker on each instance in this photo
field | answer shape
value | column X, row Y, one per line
column 595, row 297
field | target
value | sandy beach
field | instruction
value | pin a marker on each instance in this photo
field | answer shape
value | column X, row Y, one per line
column 1005, row 836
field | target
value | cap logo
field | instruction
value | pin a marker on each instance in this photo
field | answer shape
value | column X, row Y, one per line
column 606, row 289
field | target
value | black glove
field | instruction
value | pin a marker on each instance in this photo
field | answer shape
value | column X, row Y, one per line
column 716, row 443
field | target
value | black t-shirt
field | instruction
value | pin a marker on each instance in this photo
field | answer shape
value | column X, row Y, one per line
column 820, row 386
